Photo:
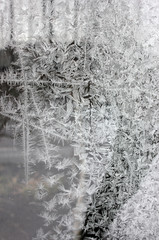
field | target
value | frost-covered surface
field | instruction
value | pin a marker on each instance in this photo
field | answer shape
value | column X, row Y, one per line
column 97, row 94
column 139, row 217
column 148, row 19
column 32, row 19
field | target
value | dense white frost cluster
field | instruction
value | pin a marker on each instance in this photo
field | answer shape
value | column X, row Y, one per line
column 139, row 217
column 88, row 84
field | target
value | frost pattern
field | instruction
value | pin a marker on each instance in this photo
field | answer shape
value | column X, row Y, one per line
column 86, row 112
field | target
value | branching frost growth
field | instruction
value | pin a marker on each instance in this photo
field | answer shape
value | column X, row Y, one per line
column 87, row 111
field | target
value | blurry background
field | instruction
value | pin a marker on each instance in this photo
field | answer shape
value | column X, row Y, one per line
column 26, row 20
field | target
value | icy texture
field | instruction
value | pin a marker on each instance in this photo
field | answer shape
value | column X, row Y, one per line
column 93, row 91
